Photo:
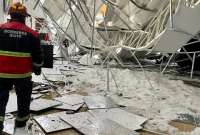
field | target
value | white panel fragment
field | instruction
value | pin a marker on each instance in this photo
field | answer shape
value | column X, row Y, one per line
column 88, row 124
column 99, row 102
column 69, row 107
column 126, row 119
column 73, row 99
column 52, row 122
column 43, row 104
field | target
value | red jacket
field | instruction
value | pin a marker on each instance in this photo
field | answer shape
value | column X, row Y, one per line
column 19, row 49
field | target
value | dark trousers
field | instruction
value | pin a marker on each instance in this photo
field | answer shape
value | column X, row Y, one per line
column 23, row 88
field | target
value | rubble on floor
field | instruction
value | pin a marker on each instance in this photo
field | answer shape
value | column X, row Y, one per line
column 68, row 100
column 9, row 124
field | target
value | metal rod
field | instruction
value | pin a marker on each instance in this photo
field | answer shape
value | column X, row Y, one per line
column 93, row 27
column 171, row 17
column 192, row 69
column 36, row 4
column 82, row 29
column 74, row 29
column 55, row 89
column 108, row 77
column 187, row 54
column 148, row 80
column 167, row 63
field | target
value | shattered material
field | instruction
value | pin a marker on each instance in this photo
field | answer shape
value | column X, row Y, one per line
column 73, row 99
column 39, row 79
column 88, row 124
column 126, row 119
column 65, row 91
column 43, row 104
column 36, row 96
column 9, row 124
column 45, row 91
column 48, row 71
column 193, row 119
column 87, row 60
column 55, row 78
column 52, row 122
column 99, row 102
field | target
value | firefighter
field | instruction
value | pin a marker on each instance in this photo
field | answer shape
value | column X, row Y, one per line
column 20, row 55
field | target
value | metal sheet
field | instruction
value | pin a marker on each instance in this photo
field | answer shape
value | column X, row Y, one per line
column 12, row 103
column 126, row 119
column 69, row 107
column 88, row 124
column 170, row 41
column 186, row 19
column 43, row 104
column 99, row 102
column 73, row 99
column 52, row 122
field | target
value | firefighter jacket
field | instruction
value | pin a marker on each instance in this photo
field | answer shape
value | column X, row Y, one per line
column 19, row 50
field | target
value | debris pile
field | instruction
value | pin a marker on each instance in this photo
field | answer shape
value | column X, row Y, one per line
column 66, row 100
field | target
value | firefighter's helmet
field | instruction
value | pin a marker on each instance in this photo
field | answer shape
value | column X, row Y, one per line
column 18, row 8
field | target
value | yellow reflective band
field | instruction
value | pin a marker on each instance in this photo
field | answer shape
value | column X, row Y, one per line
column 15, row 54
column 23, row 118
column 5, row 75
column 1, row 119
